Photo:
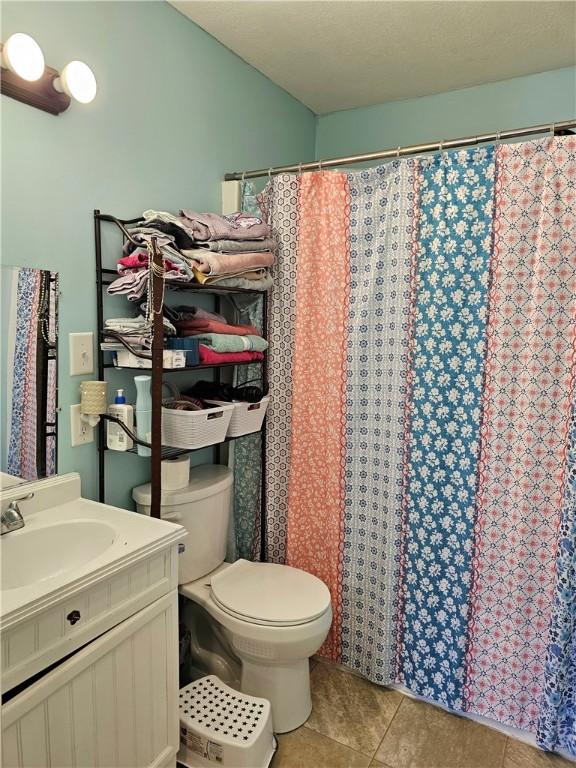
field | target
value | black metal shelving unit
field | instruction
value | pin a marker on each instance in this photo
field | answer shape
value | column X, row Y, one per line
column 104, row 277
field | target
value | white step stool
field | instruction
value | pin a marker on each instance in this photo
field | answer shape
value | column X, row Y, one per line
column 223, row 727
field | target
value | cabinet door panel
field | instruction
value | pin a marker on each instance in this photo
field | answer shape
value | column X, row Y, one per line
column 114, row 703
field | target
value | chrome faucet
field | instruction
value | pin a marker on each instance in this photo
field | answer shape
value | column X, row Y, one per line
column 11, row 518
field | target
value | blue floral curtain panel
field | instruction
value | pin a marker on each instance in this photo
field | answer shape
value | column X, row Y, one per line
column 557, row 722
column 456, row 192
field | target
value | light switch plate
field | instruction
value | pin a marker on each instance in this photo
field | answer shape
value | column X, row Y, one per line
column 80, row 432
column 81, row 353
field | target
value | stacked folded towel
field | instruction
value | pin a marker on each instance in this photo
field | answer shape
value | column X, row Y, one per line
column 219, row 341
column 233, row 251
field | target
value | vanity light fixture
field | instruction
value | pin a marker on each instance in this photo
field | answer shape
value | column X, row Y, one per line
column 25, row 77
column 23, row 56
column 78, row 81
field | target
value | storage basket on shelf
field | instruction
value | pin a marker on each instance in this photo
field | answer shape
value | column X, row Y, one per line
column 194, row 429
column 246, row 417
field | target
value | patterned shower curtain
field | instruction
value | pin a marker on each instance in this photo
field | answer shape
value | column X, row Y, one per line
column 381, row 233
column 421, row 460
column 452, row 254
column 22, row 446
column 526, row 411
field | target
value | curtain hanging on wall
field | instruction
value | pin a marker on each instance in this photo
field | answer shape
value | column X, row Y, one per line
column 316, row 488
column 279, row 204
column 557, row 716
column 525, row 428
column 381, row 239
column 21, row 461
column 432, row 308
column 247, row 450
column 454, row 223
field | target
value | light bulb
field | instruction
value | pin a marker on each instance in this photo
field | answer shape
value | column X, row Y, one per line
column 23, row 56
column 78, row 81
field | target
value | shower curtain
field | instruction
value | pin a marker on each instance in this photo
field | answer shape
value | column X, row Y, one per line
column 420, row 448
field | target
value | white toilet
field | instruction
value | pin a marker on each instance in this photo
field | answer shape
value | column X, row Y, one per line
column 253, row 624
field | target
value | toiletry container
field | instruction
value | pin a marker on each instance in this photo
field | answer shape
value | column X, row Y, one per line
column 143, row 412
column 116, row 438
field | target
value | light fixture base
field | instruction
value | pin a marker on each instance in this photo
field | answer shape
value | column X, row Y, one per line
column 39, row 93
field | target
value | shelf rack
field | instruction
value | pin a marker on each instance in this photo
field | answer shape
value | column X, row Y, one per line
column 104, row 277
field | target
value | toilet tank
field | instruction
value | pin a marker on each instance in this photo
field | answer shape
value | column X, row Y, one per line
column 203, row 507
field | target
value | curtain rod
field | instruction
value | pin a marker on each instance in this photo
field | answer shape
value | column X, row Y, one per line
column 414, row 149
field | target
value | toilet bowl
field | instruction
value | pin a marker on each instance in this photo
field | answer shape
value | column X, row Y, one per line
column 274, row 618
column 253, row 624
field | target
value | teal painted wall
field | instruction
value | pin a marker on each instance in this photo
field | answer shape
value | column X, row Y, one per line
column 175, row 110
column 515, row 103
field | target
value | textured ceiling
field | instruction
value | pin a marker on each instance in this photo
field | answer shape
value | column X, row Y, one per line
column 340, row 54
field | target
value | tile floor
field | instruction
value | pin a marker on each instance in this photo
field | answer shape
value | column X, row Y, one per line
column 355, row 724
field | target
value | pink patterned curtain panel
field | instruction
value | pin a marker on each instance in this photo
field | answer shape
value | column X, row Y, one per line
column 526, row 409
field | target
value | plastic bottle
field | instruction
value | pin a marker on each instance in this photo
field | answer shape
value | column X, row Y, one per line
column 116, row 438
column 143, row 412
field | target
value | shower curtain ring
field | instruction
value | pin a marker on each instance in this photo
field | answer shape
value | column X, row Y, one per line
column 553, row 129
column 498, row 134
column 270, row 172
column 320, row 165
column 398, row 153
column 243, row 175
column 300, row 168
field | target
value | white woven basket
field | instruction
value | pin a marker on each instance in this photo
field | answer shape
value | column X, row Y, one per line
column 195, row 429
column 246, row 418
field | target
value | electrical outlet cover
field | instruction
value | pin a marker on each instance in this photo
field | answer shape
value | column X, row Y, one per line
column 80, row 432
column 81, row 353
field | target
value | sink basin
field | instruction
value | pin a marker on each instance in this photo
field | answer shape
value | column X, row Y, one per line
column 44, row 552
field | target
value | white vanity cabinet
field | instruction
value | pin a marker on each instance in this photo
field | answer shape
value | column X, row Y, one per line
column 89, row 645
column 113, row 703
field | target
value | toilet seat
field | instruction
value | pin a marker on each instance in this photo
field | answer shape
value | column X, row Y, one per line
column 269, row 594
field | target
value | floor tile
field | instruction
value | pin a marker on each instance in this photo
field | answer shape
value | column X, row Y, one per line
column 349, row 709
column 304, row 748
column 520, row 755
column 424, row 736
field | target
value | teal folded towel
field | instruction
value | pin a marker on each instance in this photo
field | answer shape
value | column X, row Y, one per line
column 227, row 342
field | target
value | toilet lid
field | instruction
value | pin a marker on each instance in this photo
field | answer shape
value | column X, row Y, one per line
column 267, row 593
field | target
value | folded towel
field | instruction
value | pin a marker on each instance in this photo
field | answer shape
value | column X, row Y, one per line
column 251, row 274
column 263, row 284
column 184, row 312
column 134, row 284
column 228, row 263
column 238, row 246
column 235, row 226
column 208, row 356
column 227, row 342
column 139, row 259
column 143, row 236
column 196, row 326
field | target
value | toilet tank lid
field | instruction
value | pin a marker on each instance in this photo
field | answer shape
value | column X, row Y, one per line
column 205, row 481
